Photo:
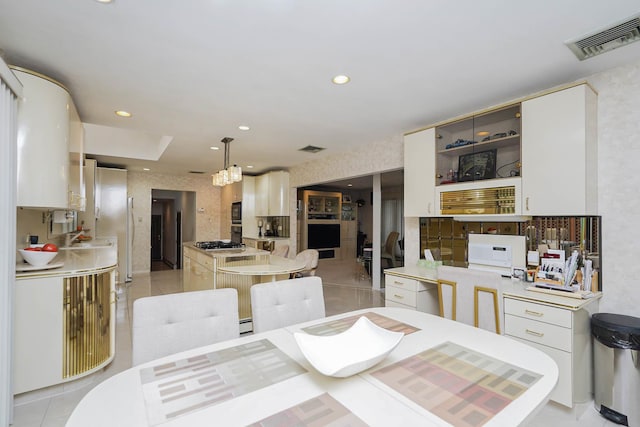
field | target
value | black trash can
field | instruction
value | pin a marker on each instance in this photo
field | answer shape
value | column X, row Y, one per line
column 616, row 367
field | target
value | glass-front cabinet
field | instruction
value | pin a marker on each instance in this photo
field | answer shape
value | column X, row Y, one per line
column 484, row 146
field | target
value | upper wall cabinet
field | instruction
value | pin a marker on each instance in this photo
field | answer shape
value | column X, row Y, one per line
column 537, row 157
column 272, row 194
column 419, row 173
column 44, row 114
column 559, row 151
column 480, row 147
column 478, row 164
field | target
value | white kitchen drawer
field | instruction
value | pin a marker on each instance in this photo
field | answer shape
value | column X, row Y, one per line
column 562, row 393
column 539, row 312
column 401, row 282
column 390, row 303
column 402, row 296
column 538, row 332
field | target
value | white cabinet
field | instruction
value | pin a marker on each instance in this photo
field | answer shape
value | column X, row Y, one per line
column 272, row 194
column 419, row 173
column 43, row 142
column 559, row 153
column 64, row 328
column 562, row 333
column 411, row 293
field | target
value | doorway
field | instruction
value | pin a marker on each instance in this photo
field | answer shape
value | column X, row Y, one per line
column 156, row 238
column 173, row 218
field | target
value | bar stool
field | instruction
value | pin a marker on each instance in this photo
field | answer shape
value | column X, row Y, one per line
column 454, row 287
column 496, row 314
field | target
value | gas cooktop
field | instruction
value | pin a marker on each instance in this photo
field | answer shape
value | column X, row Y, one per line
column 218, row 244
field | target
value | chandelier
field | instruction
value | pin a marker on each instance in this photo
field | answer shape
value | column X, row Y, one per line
column 229, row 174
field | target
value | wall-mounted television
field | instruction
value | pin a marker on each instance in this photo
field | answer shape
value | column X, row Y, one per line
column 321, row 236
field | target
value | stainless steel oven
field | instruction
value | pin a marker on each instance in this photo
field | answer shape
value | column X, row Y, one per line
column 236, row 234
column 236, row 213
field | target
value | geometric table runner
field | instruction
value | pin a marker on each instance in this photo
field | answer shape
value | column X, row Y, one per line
column 322, row 410
column 340, row 325
column 184, row 386
column 459, row 385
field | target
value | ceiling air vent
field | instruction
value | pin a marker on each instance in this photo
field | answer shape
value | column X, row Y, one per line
column 605, row 40
column 311, row 149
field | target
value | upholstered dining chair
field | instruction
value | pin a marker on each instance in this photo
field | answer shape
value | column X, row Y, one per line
column 286, row 302
column 282, row 251
column 389, row 249
column 310, row 257
column 167, row 324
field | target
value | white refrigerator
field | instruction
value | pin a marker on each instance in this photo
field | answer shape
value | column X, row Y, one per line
column 113, row 215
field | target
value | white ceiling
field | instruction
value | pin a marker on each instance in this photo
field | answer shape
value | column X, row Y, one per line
column 195, row 70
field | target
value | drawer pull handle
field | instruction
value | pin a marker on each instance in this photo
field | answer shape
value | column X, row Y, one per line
column 537, row 334
column 534, row 313
column 398, row 296
column 395, row 282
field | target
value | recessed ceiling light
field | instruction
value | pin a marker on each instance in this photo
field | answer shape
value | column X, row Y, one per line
column 349, row 185
column 146, row 169
column 483, row 133
column 249, row 166
column 123, row 113
column 104, row 1
column 341, row 79
column 244, row 127
column 215, row 148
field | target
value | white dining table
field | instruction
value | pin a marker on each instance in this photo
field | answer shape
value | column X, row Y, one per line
column 264, row 380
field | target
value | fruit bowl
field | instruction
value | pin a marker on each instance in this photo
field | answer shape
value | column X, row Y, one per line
column 358, row 348
column 37, row 258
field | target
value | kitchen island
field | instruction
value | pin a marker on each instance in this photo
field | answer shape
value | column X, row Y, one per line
column 64, row 324
column 237, row 268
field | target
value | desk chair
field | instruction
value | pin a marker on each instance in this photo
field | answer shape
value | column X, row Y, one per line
column 286, row 302
column 167, row 324
column 389, row 249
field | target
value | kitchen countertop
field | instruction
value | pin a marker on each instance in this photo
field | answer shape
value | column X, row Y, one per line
column 507, row 286
column 266, row 238
column 76, row 261
column 227, row 252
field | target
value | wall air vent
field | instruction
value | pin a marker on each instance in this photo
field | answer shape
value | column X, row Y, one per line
column 197, row 172
column 311, row 149
column 605, row 40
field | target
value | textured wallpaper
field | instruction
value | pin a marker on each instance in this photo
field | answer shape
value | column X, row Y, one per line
column 376, row 157
column 139, row 186
column 618, row 199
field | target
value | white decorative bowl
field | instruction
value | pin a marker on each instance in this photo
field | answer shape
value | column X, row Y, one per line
column 360, row 347
column 37, row 258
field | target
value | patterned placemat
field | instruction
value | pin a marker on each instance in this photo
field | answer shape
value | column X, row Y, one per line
column 459, row 385
column 320, row 411
column 340, row 325
column 187, row 385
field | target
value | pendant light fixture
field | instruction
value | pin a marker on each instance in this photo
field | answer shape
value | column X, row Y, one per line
column 229, row 174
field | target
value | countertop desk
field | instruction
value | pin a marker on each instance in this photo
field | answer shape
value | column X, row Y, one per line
column 265, row 377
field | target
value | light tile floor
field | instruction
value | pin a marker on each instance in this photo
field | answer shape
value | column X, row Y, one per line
column 345, row 289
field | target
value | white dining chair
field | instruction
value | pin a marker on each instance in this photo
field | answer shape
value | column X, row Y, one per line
column 310, row 258
column 286, row 302
column 167, row 324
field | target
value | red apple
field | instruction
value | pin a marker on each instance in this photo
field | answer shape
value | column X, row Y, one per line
column 50, row 247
